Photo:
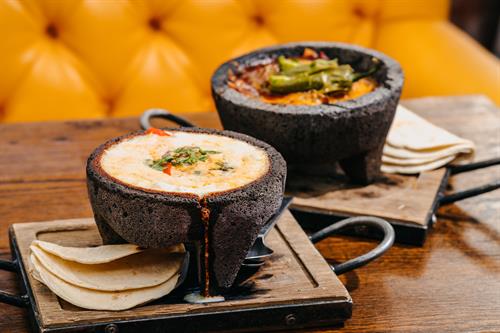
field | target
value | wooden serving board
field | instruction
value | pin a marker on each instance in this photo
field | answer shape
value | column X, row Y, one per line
column 407, row 202
column 295, row 288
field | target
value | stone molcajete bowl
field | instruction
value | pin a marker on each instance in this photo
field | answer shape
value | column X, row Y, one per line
column 158, row 219
column 315, row 137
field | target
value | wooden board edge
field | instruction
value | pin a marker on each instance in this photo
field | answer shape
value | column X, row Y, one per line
column 24, row 283
column 289, row 227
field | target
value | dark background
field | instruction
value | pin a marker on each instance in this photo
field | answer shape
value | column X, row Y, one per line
column 480, row 19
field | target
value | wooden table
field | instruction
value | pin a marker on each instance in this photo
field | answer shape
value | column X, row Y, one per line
column 452, row 284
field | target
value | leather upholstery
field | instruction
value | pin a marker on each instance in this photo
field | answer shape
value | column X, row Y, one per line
column 76, row 59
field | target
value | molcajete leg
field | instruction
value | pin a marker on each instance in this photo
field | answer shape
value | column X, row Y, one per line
column 363, row 168
column 108, row 235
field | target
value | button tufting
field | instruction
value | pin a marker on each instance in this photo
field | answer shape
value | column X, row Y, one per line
column 94, row 60
column 359, row 12
column 51, row 31
column 109, row 104
column 155, row 23
column 259, row 20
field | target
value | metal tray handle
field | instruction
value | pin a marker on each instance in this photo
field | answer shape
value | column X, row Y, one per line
column 146, row 117
column 362, row 260
column 8, row 298
column 472, row 192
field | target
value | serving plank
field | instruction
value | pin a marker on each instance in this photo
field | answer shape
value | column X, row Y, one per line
column 295, row 288
column 396, row 197
column 407, row 202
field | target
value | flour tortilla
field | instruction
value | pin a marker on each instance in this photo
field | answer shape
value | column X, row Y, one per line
column 101, row 300
column 140, row 270
column 413, row 161
column 408, row 161
column 89, row 255
column 414, row 133
column 414, row 169
column 430, row 154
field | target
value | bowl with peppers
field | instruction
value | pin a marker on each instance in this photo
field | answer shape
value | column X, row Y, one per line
column 319, row 104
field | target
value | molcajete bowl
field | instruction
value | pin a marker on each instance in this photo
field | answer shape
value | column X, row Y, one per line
column 315, row 137
column 156, row 219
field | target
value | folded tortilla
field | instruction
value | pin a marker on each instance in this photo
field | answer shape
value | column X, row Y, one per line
column 101, row 300
column 430, row 154
column 414, row 133
column 414, row 169
column 89, row 255
column 408, row 161
column 414, row 145
column 139, row 270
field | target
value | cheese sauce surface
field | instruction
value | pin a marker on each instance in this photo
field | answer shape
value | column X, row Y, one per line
column 226, row 164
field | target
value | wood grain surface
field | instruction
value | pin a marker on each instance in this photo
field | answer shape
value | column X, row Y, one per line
column 452, row 284
column 405, row 199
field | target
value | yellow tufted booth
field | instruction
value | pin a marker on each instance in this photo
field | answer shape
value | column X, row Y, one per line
column 74, row 59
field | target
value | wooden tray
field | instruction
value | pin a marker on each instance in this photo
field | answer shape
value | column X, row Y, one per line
column 296, row 288
column 407, row 202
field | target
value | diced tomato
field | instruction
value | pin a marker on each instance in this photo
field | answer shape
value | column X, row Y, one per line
column 323, row 56
column 157, row 131
column 168, row 169
column 309, row 54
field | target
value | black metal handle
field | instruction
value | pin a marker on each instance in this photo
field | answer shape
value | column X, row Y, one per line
column 8, row 298
column 362, row 260
column 163, row 114
column 456, row 169
column 472, row 192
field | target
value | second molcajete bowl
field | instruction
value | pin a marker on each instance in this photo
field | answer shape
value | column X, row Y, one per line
column 351, row 132
column 157, row 188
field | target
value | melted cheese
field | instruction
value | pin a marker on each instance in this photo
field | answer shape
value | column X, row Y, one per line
column 127, row 162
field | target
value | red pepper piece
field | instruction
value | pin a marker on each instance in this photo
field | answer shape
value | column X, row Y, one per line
column 309, row 54
column 322, row 55
column 156, row 131
column 168, row 169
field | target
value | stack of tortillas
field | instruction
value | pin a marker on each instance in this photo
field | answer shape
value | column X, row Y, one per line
column 414, row 145
column 108, row 277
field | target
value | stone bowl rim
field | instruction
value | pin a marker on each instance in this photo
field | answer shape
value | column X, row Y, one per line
column 95, row 171
column 391, row 85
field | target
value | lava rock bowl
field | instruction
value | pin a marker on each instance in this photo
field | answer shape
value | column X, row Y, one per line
column 157, row 219
column 315, row 137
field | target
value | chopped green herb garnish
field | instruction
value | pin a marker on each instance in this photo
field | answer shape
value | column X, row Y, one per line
column 222, row 166
column 187, row 155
